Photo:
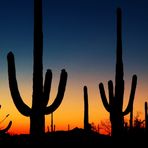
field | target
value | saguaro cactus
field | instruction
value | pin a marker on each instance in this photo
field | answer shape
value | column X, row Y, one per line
column 40, row 96
column 86, row 116
column 146, row 117
column 115, row 104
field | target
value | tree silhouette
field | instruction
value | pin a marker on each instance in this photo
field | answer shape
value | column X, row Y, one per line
column 115, row 104
column 138, row 123
column 40, row 96
column 105, row 126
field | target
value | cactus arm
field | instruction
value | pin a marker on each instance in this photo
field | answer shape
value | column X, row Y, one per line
column 132, row 94
column 47, row 86
column 60, row 94
column 111, row 94
column 21, row 106
column 103, row 97
column 6, row 129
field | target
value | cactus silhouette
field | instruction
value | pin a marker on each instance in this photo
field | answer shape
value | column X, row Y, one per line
column 40, row 96
column 115, row 104
column 68, row 127
column 146, row 117
column 87, row 126
column 52, row 122
column 2, row 131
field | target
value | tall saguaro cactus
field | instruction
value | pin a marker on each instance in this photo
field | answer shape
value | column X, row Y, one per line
column 40, row 96
column 115, row 103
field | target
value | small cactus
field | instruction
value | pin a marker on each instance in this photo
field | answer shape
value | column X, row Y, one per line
column 87, row 126
column 2, row 131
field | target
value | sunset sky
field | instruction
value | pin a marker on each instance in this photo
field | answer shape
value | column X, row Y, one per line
column 79, row 36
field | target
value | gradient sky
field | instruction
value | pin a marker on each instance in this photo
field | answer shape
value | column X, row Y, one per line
column 80, row 36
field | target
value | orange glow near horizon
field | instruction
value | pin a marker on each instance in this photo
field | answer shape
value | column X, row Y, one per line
column 70, row 112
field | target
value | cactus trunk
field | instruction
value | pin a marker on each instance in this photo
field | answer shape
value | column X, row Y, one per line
column 37, row 119
column 40, row 95
column 117, row 118
column 115, row 104
column 37, row 123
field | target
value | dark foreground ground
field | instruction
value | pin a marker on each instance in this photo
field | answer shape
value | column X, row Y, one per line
column 75, row 138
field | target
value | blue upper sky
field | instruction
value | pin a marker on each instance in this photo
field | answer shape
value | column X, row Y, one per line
column 77, row 33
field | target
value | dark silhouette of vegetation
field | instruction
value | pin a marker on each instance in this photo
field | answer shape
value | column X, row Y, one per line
column 115, row 104
column 3, row 131
column 105, row 125
column 87, row 126
column 138, row 123
column 131, row 118
column 138, row 130
column 40, row 96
